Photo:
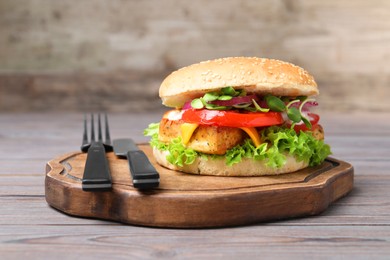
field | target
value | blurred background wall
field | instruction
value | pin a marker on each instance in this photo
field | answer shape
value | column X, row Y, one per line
column 71, row 55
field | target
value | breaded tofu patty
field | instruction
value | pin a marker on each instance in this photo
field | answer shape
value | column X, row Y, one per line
column 205, row 139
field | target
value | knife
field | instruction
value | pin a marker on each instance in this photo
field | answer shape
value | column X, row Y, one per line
column 97, row 175
column 143, row 173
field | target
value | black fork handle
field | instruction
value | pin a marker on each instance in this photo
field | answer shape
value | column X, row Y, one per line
column 97, row 175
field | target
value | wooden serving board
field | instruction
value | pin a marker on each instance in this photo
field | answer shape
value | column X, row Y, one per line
column 184, row 200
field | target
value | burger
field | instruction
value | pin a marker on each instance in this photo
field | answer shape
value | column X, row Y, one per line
column 239, row 116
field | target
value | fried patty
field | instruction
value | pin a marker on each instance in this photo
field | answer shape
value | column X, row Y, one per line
column 318, row 132
column 206, row 139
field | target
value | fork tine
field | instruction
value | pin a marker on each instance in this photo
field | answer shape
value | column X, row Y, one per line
column 85, row 135
column 92, row 129
column 107, row 130
column 100, row 138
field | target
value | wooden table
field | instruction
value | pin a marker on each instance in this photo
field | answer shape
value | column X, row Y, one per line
column 356, row 226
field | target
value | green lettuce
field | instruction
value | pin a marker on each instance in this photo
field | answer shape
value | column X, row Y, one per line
column 276, row 143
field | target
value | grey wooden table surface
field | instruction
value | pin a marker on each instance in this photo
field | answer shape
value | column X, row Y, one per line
column 357, row 226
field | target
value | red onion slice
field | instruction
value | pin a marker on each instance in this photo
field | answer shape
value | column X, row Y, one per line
column 234, row 101
column 187, row 105
column 306, row 106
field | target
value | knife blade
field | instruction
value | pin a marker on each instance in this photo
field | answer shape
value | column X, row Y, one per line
column 96, row 175
column 144, row 175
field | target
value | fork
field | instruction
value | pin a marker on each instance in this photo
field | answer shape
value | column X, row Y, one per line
column 107, row 143
column 97, row 175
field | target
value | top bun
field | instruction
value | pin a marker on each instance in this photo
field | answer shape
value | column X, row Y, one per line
column 256, row 75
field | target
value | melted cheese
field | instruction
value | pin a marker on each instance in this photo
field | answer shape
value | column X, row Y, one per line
column 187, row 130
column 253, row 134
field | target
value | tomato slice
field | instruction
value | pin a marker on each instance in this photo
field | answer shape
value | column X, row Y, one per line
column 231, row 118
column 313, row 118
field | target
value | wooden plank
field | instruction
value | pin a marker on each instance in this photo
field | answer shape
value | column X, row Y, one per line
column 245, row 242
column 356, row 226
column 12, row 166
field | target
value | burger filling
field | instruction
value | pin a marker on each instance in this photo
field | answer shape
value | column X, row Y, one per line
column 237, row 125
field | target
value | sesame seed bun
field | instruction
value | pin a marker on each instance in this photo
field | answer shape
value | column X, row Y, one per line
column 257, row 75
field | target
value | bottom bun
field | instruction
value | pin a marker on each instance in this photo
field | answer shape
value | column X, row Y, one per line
column 218, row 167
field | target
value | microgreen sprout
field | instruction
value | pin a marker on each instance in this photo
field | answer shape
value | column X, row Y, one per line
column 304, row 119
column 258, row 108
column 240, row 100
column 197, row 103
column 229, row 91
column 294, row 114
column 275, row 103
column 211, row 96
column 225, row 97
column 225, row 94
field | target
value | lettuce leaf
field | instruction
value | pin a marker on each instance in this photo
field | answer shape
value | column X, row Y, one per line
column 152, row 129
column 178, row 153
column 276, row 142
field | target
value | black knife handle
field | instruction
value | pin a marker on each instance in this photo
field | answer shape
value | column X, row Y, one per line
column 142, row 171
column 97, row 175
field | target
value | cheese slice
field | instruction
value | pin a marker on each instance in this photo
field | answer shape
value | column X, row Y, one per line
column 187, row 130
column 253, row 134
